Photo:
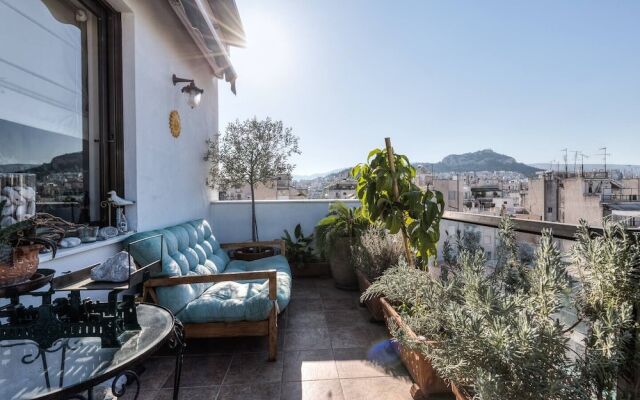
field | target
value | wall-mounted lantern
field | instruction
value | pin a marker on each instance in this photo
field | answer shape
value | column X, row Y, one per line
column 191, row 91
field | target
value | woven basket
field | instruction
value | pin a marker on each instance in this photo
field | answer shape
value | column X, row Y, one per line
column 20, row 266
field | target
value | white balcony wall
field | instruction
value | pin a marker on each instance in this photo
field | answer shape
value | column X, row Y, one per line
column 231, row 220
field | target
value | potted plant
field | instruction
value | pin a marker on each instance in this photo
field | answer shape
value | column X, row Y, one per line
column 20, row 245
column 301, row 255
column 499, row 335
column 335, row 234
column 375, row 251
column 386, row 188
column 388, row 195
column 250, row 153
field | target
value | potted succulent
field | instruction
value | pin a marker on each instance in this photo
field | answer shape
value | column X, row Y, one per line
column 335, row 234
column 301, row 255
column 375, row 252
column 20, row 245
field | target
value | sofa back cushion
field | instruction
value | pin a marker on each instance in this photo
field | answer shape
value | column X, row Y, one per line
column 187, row 249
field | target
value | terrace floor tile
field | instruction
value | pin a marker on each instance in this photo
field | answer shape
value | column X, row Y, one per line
column 307, row 365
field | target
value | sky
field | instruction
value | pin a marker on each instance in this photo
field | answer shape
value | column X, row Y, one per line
column 524, row 78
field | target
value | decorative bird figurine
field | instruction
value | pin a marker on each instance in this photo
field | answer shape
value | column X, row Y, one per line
column 119, row 201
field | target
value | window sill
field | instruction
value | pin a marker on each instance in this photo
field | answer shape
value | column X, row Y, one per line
column 84, row 248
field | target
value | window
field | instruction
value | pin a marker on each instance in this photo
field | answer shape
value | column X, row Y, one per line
column 60, row 119
column 549, row 209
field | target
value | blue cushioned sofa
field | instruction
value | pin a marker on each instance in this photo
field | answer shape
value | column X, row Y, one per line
column 211, row 294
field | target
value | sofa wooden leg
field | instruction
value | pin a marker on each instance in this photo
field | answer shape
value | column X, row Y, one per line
column 273, row 335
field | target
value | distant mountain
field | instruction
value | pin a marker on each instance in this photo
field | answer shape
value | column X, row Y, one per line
column 16, row 167
column 483, row 160
column 318, row 175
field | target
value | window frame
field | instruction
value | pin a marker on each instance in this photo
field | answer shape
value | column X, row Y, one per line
column 110, row 118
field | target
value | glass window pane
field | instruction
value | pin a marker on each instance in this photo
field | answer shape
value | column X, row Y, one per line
column 48, row 108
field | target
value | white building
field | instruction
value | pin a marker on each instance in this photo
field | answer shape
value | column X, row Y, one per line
column 106, row 93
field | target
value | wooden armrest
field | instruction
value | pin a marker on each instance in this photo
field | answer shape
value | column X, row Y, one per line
column 270, row 274
column 270, row 243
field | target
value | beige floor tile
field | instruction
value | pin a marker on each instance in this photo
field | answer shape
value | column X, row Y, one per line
column 366, row 363
column 383, row 388
column 306, row 365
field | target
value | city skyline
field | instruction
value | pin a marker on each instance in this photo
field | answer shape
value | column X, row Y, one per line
column 465, row 76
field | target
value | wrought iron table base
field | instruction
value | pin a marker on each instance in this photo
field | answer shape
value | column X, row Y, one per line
column 176, row 342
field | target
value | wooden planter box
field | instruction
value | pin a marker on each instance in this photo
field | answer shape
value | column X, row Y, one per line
column 310, row 270
column 427, row 381
column 460, row 393
column 373, row 305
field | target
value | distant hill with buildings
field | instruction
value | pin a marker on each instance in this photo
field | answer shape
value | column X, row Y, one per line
column 482, row 160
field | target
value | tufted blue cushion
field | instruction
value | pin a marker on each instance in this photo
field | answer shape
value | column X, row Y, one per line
column 188, row 249
column 191, row 249
column 241, row 301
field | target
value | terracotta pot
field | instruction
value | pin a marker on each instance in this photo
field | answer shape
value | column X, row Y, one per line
column 373, row 305
column 427, row 381
column 253, row 253
column 22, row 266
column 310, row 270
column 342, row 271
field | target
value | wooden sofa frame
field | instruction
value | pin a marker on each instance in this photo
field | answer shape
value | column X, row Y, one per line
column 268, row 327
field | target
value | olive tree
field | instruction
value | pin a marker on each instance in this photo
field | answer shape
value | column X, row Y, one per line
column 251, row 152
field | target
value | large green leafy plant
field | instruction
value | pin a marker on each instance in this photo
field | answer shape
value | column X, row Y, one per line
column 388, row 194
column 341, row 223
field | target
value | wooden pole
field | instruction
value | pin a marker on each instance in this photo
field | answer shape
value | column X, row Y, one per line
column 396, row 197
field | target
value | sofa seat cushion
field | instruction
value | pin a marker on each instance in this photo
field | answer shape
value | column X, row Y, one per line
column 241, row 300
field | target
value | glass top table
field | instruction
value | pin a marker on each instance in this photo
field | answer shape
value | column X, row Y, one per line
column 74, row 365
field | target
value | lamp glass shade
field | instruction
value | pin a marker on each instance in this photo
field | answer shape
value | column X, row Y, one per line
column 193, row 98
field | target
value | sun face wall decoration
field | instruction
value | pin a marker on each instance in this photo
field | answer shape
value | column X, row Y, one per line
column 174, row 123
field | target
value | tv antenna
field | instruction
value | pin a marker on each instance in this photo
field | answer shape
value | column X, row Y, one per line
column 582, row 157
column 575, row 161
column 604, row 155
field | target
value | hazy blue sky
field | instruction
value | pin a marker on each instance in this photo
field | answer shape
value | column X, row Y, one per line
column 525, row 78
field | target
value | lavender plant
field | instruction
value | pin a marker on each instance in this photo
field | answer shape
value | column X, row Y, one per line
column 375, row 251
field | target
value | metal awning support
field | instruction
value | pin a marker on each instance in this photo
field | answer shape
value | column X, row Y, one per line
column 200, row 27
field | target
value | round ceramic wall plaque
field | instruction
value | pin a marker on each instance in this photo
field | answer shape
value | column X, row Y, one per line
column 174, row 123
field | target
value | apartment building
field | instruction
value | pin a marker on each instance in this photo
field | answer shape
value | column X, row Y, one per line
column 568, row 198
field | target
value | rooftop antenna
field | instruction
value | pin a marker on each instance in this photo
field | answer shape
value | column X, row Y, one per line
column 582, row 156
column 566, row 166
column 604, row 155
column 575, row 161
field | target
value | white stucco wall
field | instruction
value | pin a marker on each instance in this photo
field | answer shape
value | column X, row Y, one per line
column 166, row 176
column 231, row 220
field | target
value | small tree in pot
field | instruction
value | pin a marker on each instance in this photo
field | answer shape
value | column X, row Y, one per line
column 251, row 152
